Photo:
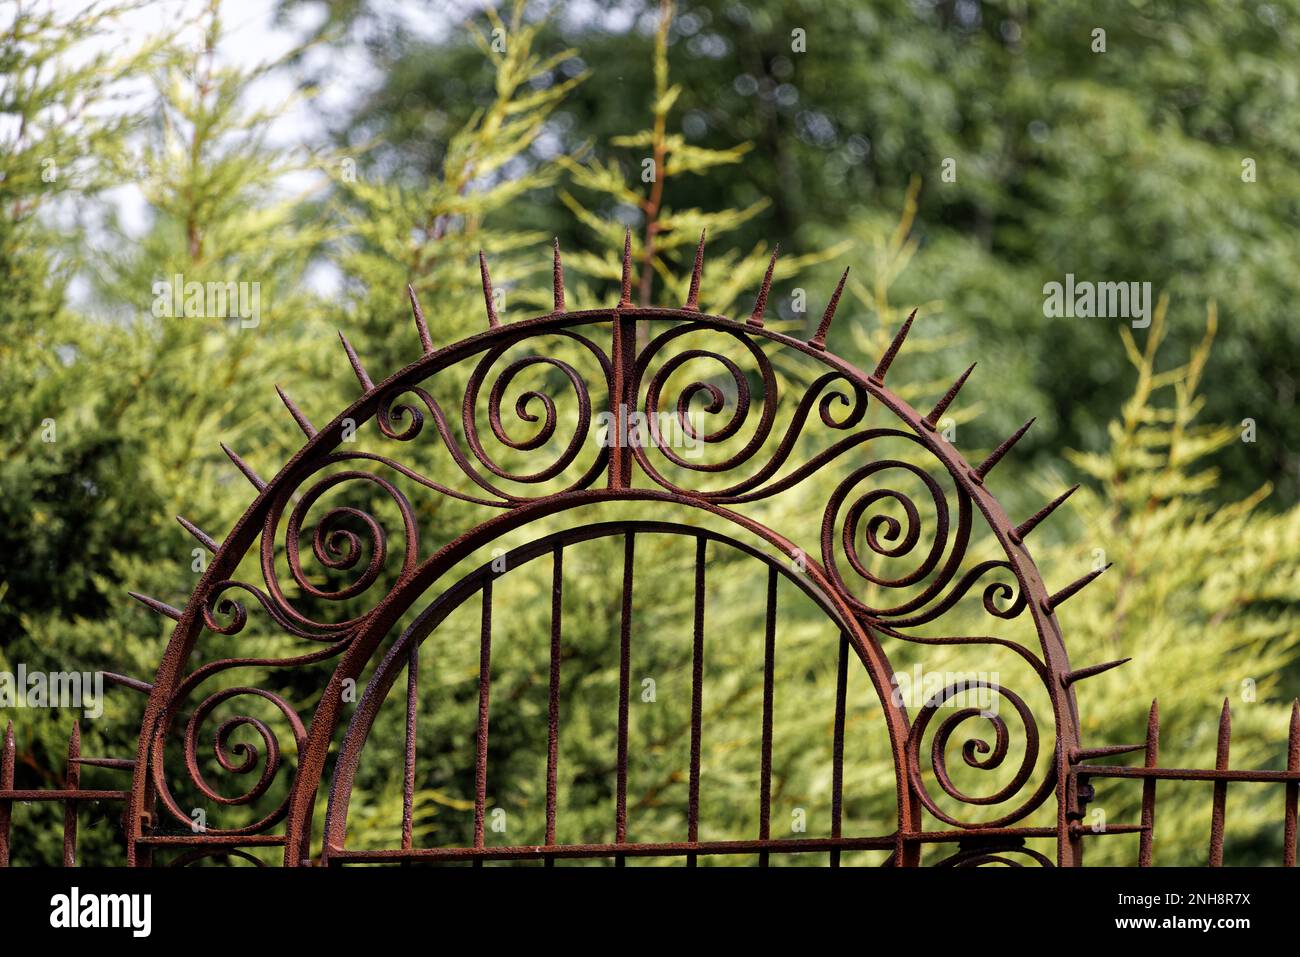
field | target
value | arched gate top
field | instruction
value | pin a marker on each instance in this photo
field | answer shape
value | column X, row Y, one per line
column 629, row 375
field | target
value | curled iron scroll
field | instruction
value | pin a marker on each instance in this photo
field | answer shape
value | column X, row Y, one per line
column 977, row 753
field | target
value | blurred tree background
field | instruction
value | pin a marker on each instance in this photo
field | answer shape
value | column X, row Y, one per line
column 1126, row 164
column 957, row 155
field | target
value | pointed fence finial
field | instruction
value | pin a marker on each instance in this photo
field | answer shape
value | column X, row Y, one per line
column 931, row 421
column 1070, row 677
column 1292, row 789
column 760, row 304
column 625, row 283
column 1146, row 842
column 1073, row 588
column 244, row 467
column 153, row 604
column 1219, row 801
column 1153, row 725
column 818, row 341
column 421, row 325
column 6, row 784
column 981, row 471
column 357, row 368
column 1107, row 751
column 203, row 537
column 892, row 352
column 697, row 271
column 1293, row 738
column 306, row 426
column 557, row 277
column 488, row 299
column 1225, row 734
column 122, row 681
column 1033, row 521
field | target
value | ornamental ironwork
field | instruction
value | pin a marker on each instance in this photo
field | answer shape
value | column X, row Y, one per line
column 886, row 559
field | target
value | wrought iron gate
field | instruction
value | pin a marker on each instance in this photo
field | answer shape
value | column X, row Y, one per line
column 621, row 468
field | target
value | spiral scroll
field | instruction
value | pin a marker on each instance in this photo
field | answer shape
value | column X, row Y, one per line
column 235, row 759
column 652, row 376
column 524, row 411
column 977, row 753
column 334, row 546
column 403, row 410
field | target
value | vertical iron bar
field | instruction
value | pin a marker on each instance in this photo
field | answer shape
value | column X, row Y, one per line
column 72, row 783
column 1151, row 760
column 412, row 710
column 623, row 357
column 624, row 669
column 553, row 706
column 1220, row 787
column 1292, row 787
column 6, row 784
column 765, row 761
column 697, row 702
column 484, row 688
column 837, row 754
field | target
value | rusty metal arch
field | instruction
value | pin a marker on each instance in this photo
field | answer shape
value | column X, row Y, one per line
column 153, row 821
column 211, row 607
column 814, row 584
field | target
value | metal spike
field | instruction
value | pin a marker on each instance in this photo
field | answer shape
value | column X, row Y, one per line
column 819, row 340
column 557, row 278
column 421, row 325
column 1146, row 843
column 760, row 304
column 1225, row 730
column 1071, row 589
column 493, row 319
column 1070, row 677
column 1291, row 823
column 243, row 467
column 892, row 352
column 1033, row 521
column 6, row 783
column 1109, row 751
column 931, row 421
column 1153, row 731
column 135, row 684
column 697, row 271
column 625, row 287
column 980, row 471
column 72, row 782
column 366, row 384
column 161, row 607
column 296, row 412
column 204, row 539
column 1293, row 737
column 1220, row 800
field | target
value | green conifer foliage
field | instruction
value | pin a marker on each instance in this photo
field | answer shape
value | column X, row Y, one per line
column 122, row 374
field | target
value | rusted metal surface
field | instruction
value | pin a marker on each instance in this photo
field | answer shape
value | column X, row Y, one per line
column 933, row 811
column 1219, row 778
